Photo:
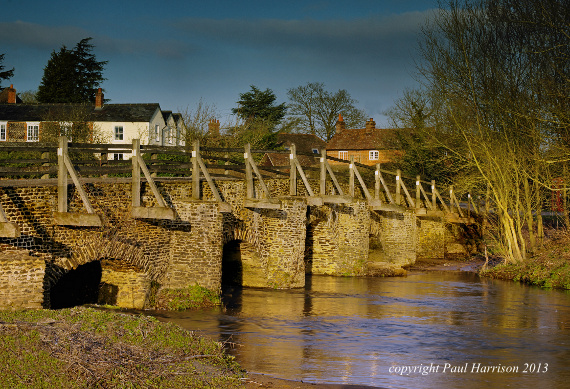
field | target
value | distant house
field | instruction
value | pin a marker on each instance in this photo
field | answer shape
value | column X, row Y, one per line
column 117, row 123
column 369, row 145
column 304, row 143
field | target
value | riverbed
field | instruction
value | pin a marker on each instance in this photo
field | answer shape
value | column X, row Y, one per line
column 426, row 330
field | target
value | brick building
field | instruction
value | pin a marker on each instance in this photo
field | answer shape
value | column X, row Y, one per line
column 369, row 145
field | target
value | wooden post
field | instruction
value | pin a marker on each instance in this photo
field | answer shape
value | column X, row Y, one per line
column 433, row 196
column 103, row 160
column 451, row 198
column 323, row 172
column 418, row 192
column 226, row 156
column 248, row 172
column 351, row 178
column 292, row 171
column 398, row 186
column 195, row 171
column 61, row 175
column 153, row 157
column 136, row 182
column 45, row 155
column 377, row 182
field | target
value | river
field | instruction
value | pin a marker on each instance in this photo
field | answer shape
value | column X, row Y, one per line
column 426, row 330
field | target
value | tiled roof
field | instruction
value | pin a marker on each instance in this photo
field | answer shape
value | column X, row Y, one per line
column 304, row 143
column 364, row 139
column 109, row 112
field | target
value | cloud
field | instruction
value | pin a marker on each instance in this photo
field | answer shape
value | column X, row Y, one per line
column 47, row 38
column 369, row 38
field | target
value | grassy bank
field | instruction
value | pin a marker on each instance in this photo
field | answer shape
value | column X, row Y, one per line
column 548, row 268
column 90, row 348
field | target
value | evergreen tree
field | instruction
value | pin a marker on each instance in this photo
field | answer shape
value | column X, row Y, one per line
column 257, row 105
column 71, row 76
column 4, row 74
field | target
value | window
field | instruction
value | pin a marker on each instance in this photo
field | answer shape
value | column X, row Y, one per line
column 168, row 135
column 315, row 151
column 33, row 132
column 3, row 127
column 118, row 132
column 157, row 132
column 343, row 155
column 118, row 157
column 373, row 155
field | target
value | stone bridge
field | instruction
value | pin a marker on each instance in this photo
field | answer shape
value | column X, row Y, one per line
column 271, row 243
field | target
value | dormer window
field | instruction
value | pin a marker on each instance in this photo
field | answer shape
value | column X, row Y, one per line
column 315, row 151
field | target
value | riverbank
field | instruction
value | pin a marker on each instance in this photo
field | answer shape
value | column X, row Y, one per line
column 549, row 267
column 86, row 347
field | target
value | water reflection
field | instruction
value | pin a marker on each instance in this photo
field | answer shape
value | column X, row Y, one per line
column 363, row 330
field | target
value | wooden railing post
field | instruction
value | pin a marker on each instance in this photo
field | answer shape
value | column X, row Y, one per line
column 433, row 195
column 153, row 157
column 292, row 171
column 103, row 161
column 418, row 192
column 195, row 171
column 398, row 186
column 136, row 174
column 45, row 155
column 61, row 175
column 248, row 172
column 351, row 178
column 323, row 172
column 377, row 182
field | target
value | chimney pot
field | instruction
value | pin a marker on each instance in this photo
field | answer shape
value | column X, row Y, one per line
column 340, row 124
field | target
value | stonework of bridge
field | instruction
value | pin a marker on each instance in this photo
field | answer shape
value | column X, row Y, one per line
column 276, row 247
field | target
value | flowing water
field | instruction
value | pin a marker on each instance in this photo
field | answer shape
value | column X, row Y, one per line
column 427, row 330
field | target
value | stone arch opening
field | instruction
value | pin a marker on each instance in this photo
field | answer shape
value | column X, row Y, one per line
column 77, row 287
column 232, row 265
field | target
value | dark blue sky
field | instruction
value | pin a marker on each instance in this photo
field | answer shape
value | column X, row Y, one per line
column 177, row 52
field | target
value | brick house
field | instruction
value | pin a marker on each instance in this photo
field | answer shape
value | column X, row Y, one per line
column 117, row 123
column 369, row 145
column 304, row 143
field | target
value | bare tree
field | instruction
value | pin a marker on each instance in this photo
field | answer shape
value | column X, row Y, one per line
column 317, row 110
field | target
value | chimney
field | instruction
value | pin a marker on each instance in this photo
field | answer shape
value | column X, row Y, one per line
column 340, row 125
column 370, row 125
column 99, row 99
column 11, row 95
column 214, row 127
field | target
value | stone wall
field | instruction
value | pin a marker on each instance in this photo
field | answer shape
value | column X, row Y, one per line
column 338, row 239
column 431, row 238
column 395, row 238
column 21, row 281
column 123, row 285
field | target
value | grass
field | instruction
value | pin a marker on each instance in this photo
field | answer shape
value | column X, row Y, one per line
column 189, row 298
column 548, row 268
column 90, row 348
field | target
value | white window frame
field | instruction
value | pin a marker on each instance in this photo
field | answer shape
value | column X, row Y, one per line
column 343, row 155
column 157, row 132
column 118, row 157
column 169, row 135
column 121, row 133
column 373, row 155
column 33, row 129
column 3, row 131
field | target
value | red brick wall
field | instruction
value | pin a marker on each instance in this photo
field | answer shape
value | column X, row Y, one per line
column 361, row 156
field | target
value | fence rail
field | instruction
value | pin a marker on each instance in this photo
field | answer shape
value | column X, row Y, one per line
column 384, row 190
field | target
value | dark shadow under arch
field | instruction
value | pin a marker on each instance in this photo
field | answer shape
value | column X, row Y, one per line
column 77, row 287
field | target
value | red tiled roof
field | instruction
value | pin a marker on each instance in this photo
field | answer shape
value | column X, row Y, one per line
column 364, row 139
